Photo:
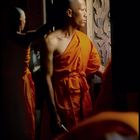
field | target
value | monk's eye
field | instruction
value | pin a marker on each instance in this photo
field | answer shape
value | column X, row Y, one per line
column 83, row 9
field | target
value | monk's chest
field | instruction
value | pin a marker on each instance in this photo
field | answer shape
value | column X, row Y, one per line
column 62, row 45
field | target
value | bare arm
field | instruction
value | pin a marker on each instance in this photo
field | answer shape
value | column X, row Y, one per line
column 50, row 44
column 39, row 32
column 50, row 47
column 49, row 70
column 32, row 35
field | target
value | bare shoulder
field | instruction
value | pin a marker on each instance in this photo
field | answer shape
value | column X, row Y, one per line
column 52, row 39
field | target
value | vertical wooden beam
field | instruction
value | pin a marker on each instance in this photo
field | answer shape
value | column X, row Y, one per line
column 89, row 27
column 44, row 11
column 101, row 32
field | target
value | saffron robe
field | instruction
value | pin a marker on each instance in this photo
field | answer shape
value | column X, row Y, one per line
column 18, row 97
column 71, row 89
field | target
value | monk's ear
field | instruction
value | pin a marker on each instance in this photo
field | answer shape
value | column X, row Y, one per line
column 69, row 12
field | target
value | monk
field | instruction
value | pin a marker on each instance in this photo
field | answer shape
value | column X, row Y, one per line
column 18, row 92
column 70, row 58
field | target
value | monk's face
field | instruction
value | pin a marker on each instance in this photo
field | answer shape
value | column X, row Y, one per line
column 79, row 15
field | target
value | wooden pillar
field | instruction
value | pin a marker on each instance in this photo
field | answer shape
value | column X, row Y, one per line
column 101, row 29
column 44, row 11
column 98, row 27
column 89, row 27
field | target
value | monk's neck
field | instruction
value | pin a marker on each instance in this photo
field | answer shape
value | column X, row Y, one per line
column 69, row 31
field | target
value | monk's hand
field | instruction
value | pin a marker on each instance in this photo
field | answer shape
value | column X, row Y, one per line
column 63, row 128
column 58, row 120
column 60, row 125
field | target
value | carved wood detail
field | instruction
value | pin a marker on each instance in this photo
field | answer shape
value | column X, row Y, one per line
column 101, row 27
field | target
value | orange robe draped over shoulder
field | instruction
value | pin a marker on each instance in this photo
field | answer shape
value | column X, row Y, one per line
column 18, row 98
column 71, row 89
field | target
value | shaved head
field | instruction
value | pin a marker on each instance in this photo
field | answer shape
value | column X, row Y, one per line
column 21, row 12
column 15, row 13
column 74, row 3
column 61, row 11
column 14, row 16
